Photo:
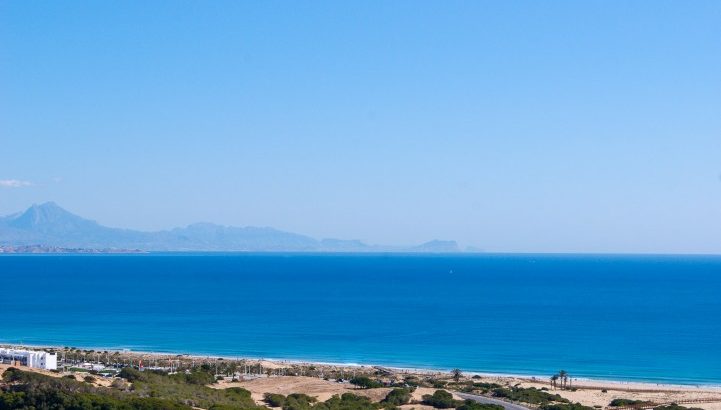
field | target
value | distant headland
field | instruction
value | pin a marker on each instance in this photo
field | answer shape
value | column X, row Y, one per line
column 48, row 228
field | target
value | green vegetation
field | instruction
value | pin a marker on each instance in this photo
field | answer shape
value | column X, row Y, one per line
column 630, row 403
column 190, row 389
column 471, row 387
column 675, row 406
column 347, row 401
column 440, row 399
column 25, row 390
column 563, row 377
column 412, row 381
column 149, row 390
column 298, row 401
column 397, row 397
column 130, row 374
column 627, row 402
column 565, row 406
column 456, row 374
column 78, row 370
column 437, row 384
column 200, row 377
column 274, row 400
column 530, row 395
column 473, row 405
column 365, row 382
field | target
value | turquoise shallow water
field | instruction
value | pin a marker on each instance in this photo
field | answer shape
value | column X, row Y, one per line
column 651, row 318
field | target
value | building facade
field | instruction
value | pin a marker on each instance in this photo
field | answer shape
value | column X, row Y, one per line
column 30, row 358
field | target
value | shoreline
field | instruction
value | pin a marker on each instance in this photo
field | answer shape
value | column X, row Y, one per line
column 579, row 382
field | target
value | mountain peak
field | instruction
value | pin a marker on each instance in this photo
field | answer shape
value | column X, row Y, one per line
column 49, row 206
column 48, row 215
column 46, row 210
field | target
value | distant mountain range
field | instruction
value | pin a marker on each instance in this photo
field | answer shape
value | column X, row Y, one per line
column 49, row 225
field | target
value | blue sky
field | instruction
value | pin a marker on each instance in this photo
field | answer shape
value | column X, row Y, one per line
column 510, row 126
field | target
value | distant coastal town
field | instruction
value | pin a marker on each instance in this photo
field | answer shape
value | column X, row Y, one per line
column 56, row 249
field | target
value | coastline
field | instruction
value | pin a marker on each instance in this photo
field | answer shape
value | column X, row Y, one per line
column 591, row 383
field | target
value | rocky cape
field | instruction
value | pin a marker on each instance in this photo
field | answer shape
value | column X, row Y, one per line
column 48, row 226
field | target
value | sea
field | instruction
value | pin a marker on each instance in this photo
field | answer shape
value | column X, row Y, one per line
column 618, row 317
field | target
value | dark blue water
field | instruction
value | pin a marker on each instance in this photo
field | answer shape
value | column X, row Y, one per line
column 654, row 318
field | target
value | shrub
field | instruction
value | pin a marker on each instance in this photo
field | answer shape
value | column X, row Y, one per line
column 130, row 374
column 198, row 377
column 565, row 406
column 13, row 374
column 485, row 387
column 626, row 402
column 528, row 395
column 438, row 384
column 150, row 391
column 237, row 393
column 675, row 406
column 441, row 399
column 298, row 401
column 397, row 397
column 274, row 400
column 347, row 401
column 365, row 382
column 473, row 405
column 118, row 384
column 89, row 379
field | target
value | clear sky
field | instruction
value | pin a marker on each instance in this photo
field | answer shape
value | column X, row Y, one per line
column 571, row 126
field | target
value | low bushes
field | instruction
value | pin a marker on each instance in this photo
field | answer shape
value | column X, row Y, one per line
column 473, row 405
column 365, row 382
column 440, row 399
column 397, row 397
column 565, row 406
column 528, row 395
column 627, row 402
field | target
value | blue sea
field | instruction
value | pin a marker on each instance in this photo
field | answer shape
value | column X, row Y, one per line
column 643, row 318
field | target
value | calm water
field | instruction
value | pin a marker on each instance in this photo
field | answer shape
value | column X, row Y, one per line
column 618, row 317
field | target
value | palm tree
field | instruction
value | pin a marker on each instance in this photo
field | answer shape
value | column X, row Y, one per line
column 554, row 380
column 456, row 373
column 564, row 377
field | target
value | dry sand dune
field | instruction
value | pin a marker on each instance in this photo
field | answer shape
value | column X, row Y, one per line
column 312, row 386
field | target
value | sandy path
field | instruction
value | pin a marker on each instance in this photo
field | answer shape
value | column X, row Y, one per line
column 318, row 388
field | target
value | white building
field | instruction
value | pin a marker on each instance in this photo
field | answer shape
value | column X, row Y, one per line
column 30, row 358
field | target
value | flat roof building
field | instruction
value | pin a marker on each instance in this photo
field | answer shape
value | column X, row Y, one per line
column 30, row 358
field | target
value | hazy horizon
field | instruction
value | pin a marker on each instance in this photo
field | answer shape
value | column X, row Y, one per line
column 510, row 127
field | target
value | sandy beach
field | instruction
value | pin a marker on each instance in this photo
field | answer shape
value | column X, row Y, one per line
column 320, row 380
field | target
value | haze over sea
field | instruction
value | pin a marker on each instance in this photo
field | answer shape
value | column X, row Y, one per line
column 650, row 318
